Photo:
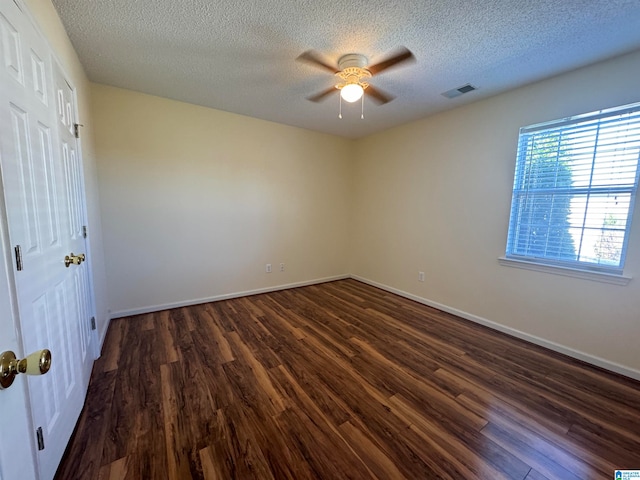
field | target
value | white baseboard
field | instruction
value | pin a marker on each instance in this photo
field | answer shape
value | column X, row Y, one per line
column 556, row 347
column 226, row 296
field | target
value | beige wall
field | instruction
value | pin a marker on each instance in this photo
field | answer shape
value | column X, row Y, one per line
column 47, row 18
column 434, row 196
column 196, row 201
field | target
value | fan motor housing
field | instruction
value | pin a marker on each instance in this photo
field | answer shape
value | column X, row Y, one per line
column 352, row 60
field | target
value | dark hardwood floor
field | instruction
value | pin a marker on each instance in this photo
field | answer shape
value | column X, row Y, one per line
column 338, row 381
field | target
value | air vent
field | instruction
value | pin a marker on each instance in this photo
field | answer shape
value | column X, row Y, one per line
column 456, row 92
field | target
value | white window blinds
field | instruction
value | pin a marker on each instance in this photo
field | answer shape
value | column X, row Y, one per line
column 574, row 190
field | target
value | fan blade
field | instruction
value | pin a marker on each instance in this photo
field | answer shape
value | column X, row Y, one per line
column 378, row 95
column 313, row 58
column 402, row 56
column 322, row 95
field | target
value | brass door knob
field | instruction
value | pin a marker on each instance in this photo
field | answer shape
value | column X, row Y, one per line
column 38, row 363
column 72, row 259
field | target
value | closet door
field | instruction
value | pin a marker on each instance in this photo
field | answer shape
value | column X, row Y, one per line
column 44, row 213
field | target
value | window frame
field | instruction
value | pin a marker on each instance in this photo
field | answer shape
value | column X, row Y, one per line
column 576, row 268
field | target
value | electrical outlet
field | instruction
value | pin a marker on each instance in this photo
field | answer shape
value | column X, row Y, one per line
column 268, row 268
column 282, row 267
column 421, row 276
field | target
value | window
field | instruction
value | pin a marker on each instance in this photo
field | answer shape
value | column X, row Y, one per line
column 574, row 190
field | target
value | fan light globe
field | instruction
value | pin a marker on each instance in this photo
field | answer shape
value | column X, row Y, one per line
column 352, row 92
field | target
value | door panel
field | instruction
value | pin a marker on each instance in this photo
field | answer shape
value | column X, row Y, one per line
column 38, row 77
column 44, row 198
column 17, row 459
column 11, row 49
column 24, row 187
column 16, row 453
column 75, row 218
column 52, row 234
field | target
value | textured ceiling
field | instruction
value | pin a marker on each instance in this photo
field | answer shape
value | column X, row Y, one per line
column 239, row 56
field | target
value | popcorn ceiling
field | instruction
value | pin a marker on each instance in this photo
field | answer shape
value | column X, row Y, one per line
column 239, row 56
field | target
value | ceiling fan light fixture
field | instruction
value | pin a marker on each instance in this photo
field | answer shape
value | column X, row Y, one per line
column 352, row 72
column 352, row 92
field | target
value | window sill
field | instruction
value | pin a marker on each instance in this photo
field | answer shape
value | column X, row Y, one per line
column 566, row 271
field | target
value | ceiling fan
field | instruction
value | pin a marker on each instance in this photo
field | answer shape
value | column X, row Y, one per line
column 352, row 71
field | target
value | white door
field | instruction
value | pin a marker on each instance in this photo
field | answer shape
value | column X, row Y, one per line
column 41, row 178
column 75, row 219
column 16, row 441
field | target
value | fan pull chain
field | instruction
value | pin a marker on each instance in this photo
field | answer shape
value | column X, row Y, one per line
column 340, row 111
column 362, row 114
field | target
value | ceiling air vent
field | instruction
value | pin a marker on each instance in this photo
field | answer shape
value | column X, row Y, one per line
column 456, row 92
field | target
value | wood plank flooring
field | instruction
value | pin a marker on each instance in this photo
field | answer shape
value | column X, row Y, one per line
column 343, row 381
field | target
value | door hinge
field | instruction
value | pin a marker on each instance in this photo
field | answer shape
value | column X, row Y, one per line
column 84, row 231
column 93, row 323
column 18, row 251
column 40, row 437
column 76, row 129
